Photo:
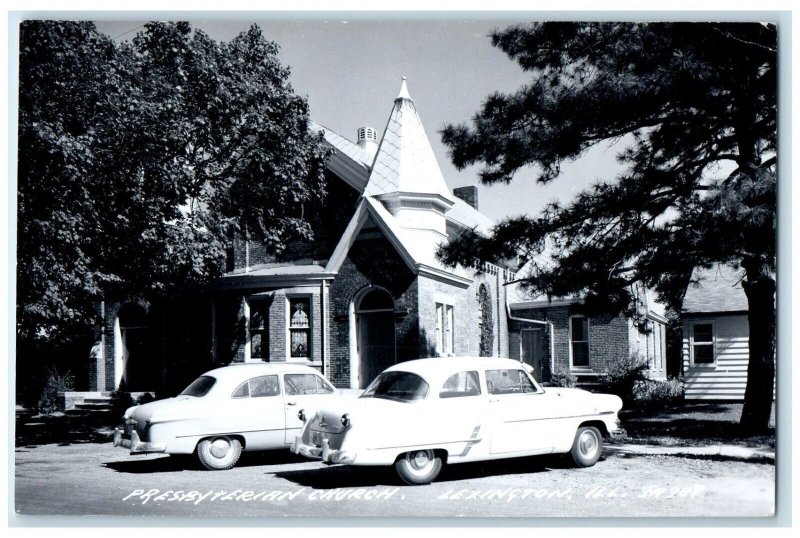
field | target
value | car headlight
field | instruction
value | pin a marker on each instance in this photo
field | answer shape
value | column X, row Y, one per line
column 302, row 415
column 345, row 420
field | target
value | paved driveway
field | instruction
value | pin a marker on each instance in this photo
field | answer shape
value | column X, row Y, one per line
column 94, row 478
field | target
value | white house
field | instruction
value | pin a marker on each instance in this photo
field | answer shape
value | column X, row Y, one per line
column 715, row 335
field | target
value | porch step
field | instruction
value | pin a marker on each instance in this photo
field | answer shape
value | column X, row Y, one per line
column 89, row 406
column 98, row 400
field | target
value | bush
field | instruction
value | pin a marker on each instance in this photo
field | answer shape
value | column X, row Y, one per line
column 56, row 382
column 145, row 398
column 563, row 378
column 654, row 392
column 623, row 376
column 120, row 402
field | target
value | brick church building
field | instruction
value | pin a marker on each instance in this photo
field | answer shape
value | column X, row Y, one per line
column 368, row 292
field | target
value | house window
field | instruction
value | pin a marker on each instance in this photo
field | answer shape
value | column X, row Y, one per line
column 444, row 329
column 258, row 327
column 703, row 343
column 579, row 341
column 300, row 328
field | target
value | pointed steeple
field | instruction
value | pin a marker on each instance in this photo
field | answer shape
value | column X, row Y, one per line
column 405, row 162
column 404, row 92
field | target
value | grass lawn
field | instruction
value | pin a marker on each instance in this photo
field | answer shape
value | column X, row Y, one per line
column 691, row 424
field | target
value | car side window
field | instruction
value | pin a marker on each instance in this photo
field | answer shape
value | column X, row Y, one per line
column 304, row 384
column 258, row 387
column 508, row 381
column 460, row 385
column 323, row 387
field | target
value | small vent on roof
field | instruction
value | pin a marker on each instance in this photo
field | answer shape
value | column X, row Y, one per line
column 368, row 140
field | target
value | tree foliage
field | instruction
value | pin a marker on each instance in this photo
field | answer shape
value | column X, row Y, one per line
column 694, row 108
column 136, row 160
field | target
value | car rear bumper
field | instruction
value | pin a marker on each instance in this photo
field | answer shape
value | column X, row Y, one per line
column 135, row 445
column 324, row 452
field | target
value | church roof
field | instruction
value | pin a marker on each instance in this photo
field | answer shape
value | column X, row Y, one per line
column 417, row 248
column 405, row 161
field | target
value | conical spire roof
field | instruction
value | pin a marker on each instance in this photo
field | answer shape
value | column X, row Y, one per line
column 405, row 161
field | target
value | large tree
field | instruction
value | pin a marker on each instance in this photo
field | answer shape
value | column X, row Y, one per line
column 693, row 109
column 136, row 160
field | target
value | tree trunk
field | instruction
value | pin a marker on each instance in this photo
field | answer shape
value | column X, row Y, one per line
column 759, row 287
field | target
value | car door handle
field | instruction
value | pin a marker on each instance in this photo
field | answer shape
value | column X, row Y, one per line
column 291, row 403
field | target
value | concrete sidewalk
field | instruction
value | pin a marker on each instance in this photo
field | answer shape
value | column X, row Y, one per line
column 726, row 451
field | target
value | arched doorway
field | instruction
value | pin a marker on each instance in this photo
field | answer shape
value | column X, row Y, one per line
column 375, row 334
column 136, row 367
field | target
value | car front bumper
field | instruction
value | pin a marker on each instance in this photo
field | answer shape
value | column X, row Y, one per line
column 618, row 433
column 135, row 445
column 324, row 452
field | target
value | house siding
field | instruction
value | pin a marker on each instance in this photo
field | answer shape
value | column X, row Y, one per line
column 650, row 345
column 727, row 378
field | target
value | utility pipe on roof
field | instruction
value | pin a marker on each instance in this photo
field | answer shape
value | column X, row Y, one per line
column 548, row 324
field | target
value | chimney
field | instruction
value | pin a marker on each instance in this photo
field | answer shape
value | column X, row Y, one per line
column 468, row 194
column 368, row 140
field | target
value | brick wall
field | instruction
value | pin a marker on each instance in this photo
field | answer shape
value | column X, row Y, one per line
column 608, row 337
column 371, row 262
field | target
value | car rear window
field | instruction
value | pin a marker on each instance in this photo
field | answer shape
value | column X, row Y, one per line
column 400, row 386
column 199, row 386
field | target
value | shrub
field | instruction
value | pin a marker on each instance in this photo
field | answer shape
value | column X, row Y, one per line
column 655, row 392
column 145, row 398
column 56, row 382
column 623, row 376
column 120, row 402
column 563, row 378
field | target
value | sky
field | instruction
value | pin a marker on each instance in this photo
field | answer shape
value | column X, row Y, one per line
column 351, row 71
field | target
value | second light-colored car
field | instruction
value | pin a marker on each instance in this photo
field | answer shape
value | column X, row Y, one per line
column 419, row 415
column 226, row 411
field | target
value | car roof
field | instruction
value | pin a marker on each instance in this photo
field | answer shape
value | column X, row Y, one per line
column 440, row 366
column 240, row 371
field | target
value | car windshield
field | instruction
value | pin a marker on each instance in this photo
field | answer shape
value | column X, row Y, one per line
column 199, row 386
column 401, row 386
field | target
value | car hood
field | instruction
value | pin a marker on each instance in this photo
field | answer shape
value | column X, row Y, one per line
column 599, row 402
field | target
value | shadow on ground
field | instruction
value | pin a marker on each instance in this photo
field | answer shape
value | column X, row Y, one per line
column 341, row 476
column 62, row 429
column 692, row 424
column 180, row 463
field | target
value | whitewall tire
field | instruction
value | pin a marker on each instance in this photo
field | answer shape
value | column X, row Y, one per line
column 418, row 467
column 587, row 447
column 219, row 453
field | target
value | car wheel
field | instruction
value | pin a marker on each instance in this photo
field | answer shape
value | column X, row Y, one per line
column 219, row 453
column 418, row 467
column 587, row 447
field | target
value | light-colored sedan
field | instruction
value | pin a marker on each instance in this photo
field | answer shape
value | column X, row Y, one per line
column 225, row 411
column 422, row 414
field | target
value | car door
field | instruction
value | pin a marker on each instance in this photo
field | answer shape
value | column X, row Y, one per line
column 256, row 411
column 458, row 416
column 306, row 391
column 519, row 419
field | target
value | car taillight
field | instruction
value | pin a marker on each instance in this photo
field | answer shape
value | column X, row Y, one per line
column 345, row 420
